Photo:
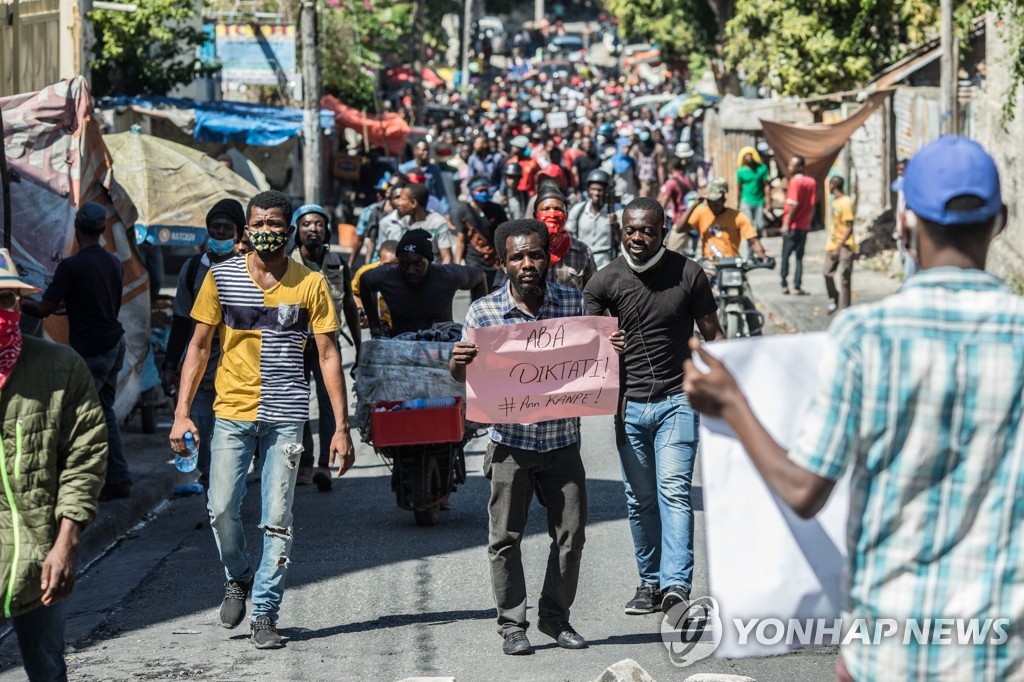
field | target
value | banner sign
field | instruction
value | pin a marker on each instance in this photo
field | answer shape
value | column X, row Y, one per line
column 537, row 371
column 254, row 54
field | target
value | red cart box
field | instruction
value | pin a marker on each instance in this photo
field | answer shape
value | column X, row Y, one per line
column 395, row 428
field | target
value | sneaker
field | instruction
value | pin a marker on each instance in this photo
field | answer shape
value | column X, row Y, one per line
column 264, row 634
column 305, row 476
column 232, row 609
column 322, row 480
column 832, row 307
column 646, row 600
column 672, row 596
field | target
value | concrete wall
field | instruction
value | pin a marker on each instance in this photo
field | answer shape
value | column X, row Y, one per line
column 863, row 164
column 1004, row 143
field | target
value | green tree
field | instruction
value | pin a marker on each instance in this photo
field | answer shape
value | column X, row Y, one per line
column 1010, row 25
column 147, row 52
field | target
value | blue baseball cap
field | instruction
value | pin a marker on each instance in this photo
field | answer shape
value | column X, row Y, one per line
column 952, row 167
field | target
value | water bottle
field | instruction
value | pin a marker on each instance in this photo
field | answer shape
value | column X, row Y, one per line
column 188, row 463
column 428, row 403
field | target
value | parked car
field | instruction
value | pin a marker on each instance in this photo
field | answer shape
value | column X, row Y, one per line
column 569, row 46
column 554, row 69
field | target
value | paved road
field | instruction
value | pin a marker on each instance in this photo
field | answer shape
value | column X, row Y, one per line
column 371, row 596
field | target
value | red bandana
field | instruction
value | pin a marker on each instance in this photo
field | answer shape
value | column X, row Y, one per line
column 558, row 239
column 10, row 343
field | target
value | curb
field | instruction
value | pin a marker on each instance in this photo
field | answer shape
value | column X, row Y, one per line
column 117, row 517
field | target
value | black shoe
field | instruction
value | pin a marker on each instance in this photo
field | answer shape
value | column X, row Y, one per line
column 322, row 481
column 516, row 644
column 673, row 595
column 264, row 634
column 646, row 600
column 232, row 609
column 563, row 634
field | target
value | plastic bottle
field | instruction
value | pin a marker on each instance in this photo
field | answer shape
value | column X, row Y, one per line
column 188, row 489
column 188, row 462
column 428, row 403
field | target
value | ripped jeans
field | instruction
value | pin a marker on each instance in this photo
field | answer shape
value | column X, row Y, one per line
column 232, row 447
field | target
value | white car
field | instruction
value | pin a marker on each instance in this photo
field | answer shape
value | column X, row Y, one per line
column 498, row 35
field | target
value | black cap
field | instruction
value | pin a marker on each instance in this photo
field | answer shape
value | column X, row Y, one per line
column 418, row 242
column 230, row 209
column 91, row 218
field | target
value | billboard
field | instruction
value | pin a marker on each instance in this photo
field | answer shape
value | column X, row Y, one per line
column 255, row 54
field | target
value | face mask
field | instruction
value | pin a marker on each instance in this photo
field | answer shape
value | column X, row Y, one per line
column 480, row 197
column 554, row 220
column 266, row 242
column 10, row 343
column 220, row 247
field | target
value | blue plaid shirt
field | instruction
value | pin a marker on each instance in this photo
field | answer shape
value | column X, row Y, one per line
column 500, row 308
column 922, row 394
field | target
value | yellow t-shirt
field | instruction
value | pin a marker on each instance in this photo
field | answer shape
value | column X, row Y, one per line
column 723, row 231
column 842, row 214
column 382, row 305
column 262, row 333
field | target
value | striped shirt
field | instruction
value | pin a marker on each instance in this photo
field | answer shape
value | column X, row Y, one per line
column 500, row 308
column 260, row 376
column 922, row 394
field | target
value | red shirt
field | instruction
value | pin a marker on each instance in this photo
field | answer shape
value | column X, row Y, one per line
column 803, row 191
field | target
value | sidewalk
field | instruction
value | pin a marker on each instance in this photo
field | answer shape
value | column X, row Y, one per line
column 788, row 314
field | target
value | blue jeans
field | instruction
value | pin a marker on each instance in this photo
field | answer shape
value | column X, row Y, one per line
column 41, row 641
column 793, row 245
column 201, row 415
column 657, row 468
column 756, row 216
column 279, row 447
column 105, row 368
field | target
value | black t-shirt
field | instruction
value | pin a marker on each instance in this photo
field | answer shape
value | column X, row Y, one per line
column 421, row 308
column 584, row 164
column 657, row 310
column 480, row 251
column 90, row 284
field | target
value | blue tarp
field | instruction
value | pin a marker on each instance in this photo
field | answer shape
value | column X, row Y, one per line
column 239, row 122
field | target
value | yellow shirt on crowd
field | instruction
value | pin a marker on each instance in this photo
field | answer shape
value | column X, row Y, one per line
column 723, row 231
column 842, row 214
column 262, row 334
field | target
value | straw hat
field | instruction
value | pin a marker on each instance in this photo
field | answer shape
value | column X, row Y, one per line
column 9, row 277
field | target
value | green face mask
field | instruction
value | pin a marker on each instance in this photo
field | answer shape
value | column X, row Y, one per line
column 266, row 242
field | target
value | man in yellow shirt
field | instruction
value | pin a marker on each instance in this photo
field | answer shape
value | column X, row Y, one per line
column 841, row 248
column 721, row 229
column 388, row 255
column 262, row 305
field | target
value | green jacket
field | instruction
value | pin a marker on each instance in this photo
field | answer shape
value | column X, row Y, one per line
column 53, row 458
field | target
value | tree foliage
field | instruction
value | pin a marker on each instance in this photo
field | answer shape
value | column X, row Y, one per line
column 1010, row 25
column 678, row 27
column 146, row 52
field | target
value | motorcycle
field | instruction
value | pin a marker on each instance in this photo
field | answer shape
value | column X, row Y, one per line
column 737, row 313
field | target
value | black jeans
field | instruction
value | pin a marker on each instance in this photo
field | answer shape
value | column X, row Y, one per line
column 41, row 640
column 793, row 244
column 559, row 479
column 325, row 421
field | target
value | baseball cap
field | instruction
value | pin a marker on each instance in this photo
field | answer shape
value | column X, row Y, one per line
column 91, row 217
column 520, row 142
column 418, row 242
column 951, row 167
column 717, row 189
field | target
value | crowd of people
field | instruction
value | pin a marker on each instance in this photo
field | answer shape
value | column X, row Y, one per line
column 604, row 211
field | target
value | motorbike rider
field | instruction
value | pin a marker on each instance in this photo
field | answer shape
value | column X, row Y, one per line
column 418, row 291
column 721, row 229
column 593, row 223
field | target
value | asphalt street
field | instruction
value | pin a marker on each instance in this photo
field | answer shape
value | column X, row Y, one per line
column 371, row 596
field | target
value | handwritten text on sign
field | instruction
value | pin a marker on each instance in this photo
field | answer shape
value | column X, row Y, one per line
column 532, row 372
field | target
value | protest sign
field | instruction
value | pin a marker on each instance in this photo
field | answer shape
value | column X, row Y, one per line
column 557, row 120
column 536, row 371
column 766, row 564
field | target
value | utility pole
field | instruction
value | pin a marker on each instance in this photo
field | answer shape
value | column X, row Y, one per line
column 950, row 68
column 418, row 29
column 467, row 22
column 5, row 186
column 312, row 140
column 538, row 12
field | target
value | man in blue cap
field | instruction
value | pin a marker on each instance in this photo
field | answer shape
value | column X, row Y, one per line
column 921, row 395
column 89, row 284
column 313, row 249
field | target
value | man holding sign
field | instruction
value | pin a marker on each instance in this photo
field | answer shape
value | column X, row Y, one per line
column 657, row 296
column 521, row 458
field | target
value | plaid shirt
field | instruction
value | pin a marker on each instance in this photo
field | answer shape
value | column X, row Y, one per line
column 922, row 394
column 500, row 308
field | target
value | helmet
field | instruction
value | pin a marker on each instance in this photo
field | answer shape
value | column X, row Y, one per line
column 599, row 176
column 606, row 130
column 313, row 208
column 512, row 170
